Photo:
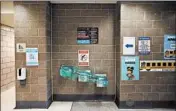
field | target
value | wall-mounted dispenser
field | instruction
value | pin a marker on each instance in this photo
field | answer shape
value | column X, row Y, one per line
column 21, row 74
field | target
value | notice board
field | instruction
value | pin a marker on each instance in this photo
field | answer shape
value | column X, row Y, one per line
column 87, row 35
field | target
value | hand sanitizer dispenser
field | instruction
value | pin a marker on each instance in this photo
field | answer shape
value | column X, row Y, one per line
column 21, row 74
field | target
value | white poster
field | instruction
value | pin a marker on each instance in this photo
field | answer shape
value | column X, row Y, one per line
column 32, row 57
column 144, row 45
column 83, row 57
column 128, row 45
column 21, row 47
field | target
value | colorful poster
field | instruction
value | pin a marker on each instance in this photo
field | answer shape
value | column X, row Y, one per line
column 170, row 47
column 83, row 57
column 158, row 66
column 128, row 45
column 87, row 35
column 144, row 45
column 129, row 68
column 32, row 57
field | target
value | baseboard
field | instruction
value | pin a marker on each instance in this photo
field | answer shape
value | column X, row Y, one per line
column 33, row 104
column 82, row 97
column 147, row 105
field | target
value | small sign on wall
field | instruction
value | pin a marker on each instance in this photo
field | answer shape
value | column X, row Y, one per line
column 87, row 35
column 144, row 45
column 130, row 68
column 83, row 57
column 128, row 45
column 21, row 47
column 170, row 47
column 32, row 57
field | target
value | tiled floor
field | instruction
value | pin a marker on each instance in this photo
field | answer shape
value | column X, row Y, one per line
column 8, row 104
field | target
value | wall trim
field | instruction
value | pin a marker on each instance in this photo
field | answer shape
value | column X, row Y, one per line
column 33, row 104
column 148, row 105
column 82, row 97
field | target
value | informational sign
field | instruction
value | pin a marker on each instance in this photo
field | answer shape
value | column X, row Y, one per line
column 32, row 57
column 128, row 45
column 87, row 35
column 83, row 57
column 158, row 66
column 170, row 47
column 21, row 47
column 144, row 45
column 129, row 68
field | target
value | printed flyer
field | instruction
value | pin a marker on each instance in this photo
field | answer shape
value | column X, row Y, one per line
column 144, row 45
column 32, row 57
column 129, row 68
column 170, row 47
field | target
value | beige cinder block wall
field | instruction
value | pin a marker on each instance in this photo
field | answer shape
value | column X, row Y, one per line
column 32, row 26
column 7, row 57
column 153, row 20
column 66, row 18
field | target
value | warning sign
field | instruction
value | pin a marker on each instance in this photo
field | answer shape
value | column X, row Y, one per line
column 83, row 57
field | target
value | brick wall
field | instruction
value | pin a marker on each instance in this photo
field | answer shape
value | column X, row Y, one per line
column 66, row 18
column 153, row 20
column 7, row 58
column 32, row 26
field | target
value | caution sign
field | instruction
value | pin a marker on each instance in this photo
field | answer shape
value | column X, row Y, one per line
column 83, row 57
column 21, row 47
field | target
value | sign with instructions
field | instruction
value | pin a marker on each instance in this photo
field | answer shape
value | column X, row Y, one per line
column 83, row 57
column 32, row 57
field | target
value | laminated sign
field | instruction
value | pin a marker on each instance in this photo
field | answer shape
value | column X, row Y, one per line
column 32, row 57
column 21, row 47
column 170, row 47
column 130, row 68
column 144, row 45
column 128, row 45
column 83, row 57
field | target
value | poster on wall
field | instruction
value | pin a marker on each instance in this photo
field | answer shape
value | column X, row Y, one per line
column 128, row 45
column 157, row 65
column 129, row 68
column 170, row 47
column 32, row 57
column 87, row 35
column 144, row 45
column 21, row 47
column 83, row 57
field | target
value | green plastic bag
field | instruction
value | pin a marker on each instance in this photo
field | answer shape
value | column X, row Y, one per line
column 69, row 72
column 83, row 75
column 102, row 80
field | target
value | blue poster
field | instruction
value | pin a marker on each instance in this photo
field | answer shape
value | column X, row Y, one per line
column 169, row 46
column 144, row 45
column 32, row 57
column 129, row 68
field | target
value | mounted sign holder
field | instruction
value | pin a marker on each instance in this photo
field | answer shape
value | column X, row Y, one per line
column 128, row 45
column 158, row 66
column 21, row 47
column 130, row 68
column 83, row 57
column 170, row 47
column 87, row 35
column 144, row 45
column 32, row 57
